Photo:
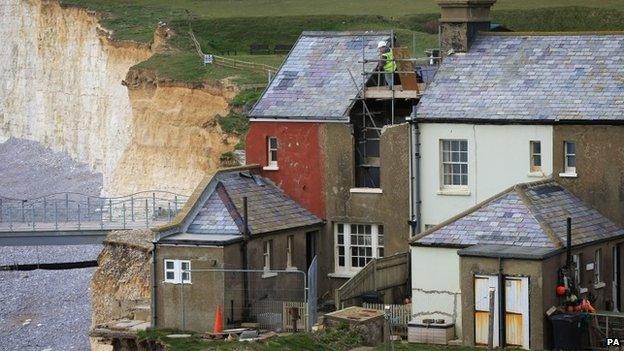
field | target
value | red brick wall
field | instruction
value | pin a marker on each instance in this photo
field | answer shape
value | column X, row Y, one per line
column 300, row 173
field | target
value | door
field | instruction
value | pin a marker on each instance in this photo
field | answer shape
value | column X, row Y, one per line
column 310, row 247
column 517, row 312
column 482, row 285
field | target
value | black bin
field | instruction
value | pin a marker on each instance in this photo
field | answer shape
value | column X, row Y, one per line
column 567, row 330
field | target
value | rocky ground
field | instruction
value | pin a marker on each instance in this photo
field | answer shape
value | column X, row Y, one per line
column 45, row 309
column 29, row 169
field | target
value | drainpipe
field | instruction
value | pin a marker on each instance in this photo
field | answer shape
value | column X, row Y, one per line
column 502, row 340
column 414, row 174
column 245, row 263
column 154, row 287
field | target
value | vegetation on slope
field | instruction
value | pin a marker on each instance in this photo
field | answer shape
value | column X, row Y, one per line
column 229, row 27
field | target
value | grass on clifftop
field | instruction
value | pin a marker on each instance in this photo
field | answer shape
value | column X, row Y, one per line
column 232, row 25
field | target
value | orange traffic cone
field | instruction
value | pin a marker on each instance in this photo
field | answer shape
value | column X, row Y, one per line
column 218, row 321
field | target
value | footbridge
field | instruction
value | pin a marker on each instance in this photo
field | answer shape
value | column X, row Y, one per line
column 76, row 219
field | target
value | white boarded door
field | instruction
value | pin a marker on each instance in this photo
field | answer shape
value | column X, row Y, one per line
column 482, row 285
column 517, row 312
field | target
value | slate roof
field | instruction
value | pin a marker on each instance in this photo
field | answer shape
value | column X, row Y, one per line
column 219, row 219
column 526, row 215
column 543, row 78
column 314, row 81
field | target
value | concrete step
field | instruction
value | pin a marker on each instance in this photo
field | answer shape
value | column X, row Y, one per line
column 142, row 312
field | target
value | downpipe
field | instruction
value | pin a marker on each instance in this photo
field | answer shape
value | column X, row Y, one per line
column 414, row 174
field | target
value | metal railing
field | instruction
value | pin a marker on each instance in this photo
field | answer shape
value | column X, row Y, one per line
column 75, row 211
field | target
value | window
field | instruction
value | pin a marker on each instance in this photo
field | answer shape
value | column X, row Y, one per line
column 569, row 157
column 357, row 244
column 576, row 262
column 272, row 152
column 177, row 271
column 454, row 163
column 268, row 246
column 289, row 250
column 536, row 156
column 597, row 266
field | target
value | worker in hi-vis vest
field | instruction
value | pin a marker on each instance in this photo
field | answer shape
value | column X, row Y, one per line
column 388, row 65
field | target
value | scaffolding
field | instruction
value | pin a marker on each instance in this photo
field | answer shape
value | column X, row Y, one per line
column 378, row 105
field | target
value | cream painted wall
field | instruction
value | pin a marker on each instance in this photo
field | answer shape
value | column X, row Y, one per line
column 435, row 285
column 498, row 157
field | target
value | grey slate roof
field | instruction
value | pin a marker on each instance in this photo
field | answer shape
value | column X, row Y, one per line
column 314, row 82
column 543, row 78
column 526, row 215
column 220, row 218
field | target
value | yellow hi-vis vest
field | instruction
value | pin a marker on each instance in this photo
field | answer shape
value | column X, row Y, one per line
column 390, row 64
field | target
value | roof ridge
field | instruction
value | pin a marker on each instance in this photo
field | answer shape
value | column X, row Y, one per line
column 520, row 189
column 230, row 206
column 551, row 34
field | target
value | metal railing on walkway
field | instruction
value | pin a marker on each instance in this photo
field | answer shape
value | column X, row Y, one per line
column 74, row 211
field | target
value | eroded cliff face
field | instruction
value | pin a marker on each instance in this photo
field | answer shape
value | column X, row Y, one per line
column 121, row 284
column 175, row 138
column 61, row 85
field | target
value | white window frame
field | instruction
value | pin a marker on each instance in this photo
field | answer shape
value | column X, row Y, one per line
column 177, row 271
column 567, row 169
column 576, row 261
column 290, row 244
column 376, row 246
column 450, row 162
column 266, row 254
column 533, row 168
column 272, row 161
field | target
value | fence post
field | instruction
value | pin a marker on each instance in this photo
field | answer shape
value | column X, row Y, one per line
column 124, row 215
column 56, row 215
column 175, row 203
column 110, row 210
column 88, row 208
column 169, row 210
column 45, row 209
column 154, row 205
column 132, row 208
column 79, row 216
column 66, row 207
column 32, row 214
column 146, row 214
column 491, row 320
column 23, row 217
column 102, row 214
column 10, row 219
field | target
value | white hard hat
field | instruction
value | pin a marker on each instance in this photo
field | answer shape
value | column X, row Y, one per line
column 381, row 44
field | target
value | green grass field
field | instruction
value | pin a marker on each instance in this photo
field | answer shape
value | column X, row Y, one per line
column 223, row 26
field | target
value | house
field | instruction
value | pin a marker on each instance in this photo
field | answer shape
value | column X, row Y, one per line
column 235, row 220
column 338, row 144
column 518, row 238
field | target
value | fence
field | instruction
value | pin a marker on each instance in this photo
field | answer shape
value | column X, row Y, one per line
column 69, row 211
column 269, row 300
column 378, row 275
column 603, row 325
column 399, row 316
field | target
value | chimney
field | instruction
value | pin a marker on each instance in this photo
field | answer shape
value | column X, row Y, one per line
column 460, row 22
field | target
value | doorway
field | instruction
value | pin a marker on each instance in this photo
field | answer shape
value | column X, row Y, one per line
column 311, row 249
column 516, row 310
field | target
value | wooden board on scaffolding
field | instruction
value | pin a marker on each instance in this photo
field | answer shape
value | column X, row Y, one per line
column 384, row 92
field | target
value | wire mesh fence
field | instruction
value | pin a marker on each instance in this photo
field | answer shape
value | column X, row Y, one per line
column 78, row 211
column 266, row 300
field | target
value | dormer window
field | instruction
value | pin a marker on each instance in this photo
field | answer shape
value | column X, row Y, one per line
column 271, row 154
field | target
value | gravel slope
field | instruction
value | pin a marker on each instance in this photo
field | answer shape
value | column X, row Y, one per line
column 45, row 310
column 29, row 169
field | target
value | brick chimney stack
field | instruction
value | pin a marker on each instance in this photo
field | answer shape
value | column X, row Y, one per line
column 460, row 22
